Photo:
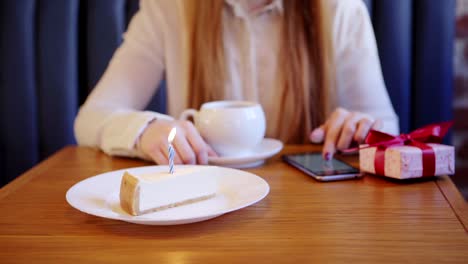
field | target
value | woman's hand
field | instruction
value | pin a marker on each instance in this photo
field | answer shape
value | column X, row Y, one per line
column 341, row 129
column 189, row 145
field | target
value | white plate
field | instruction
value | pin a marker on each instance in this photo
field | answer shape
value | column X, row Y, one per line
column 266, row 149
column 98, row 196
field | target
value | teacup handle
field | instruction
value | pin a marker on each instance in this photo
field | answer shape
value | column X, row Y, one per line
column 189, row 113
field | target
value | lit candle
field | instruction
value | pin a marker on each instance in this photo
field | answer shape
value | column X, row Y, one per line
column 170, row 138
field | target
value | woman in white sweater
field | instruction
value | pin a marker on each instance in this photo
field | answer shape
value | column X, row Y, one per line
column 312, row 65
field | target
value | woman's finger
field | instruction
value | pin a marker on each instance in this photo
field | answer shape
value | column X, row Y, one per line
column 165, row 151
column 333, row 129
column 211, row 152
column 157, row 155
column 317, row 135
column 348, row 131
column 196, row 141
column 184, row 149
column 363, row 128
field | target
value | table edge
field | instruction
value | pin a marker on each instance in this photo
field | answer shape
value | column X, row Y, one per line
column 455, row 199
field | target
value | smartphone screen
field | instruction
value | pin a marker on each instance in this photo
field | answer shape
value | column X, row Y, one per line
column 314, row 165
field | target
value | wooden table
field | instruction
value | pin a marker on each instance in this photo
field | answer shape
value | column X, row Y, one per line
column 371, row 220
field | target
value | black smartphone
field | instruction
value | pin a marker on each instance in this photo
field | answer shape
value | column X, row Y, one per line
column 314, row 165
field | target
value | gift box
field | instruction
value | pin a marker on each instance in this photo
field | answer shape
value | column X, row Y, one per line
column 413, row 155
column 404, row 162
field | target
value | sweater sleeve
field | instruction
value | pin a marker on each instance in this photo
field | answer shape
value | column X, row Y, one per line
column 360, row 84
column 112, row 118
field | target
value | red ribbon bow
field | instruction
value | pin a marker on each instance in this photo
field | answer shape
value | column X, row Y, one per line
column 418, row 138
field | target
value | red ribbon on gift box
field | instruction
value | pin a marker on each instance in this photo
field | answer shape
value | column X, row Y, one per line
column 418, row 138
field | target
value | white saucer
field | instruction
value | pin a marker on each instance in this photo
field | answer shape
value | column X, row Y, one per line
column 99, row 196
column 266, row 149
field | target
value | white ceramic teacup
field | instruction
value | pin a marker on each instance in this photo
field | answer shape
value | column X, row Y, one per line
column 232, row 128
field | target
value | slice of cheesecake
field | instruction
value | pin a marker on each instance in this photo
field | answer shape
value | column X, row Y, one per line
column 146, row 193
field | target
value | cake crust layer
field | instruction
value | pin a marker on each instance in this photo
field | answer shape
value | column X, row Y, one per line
column 130, row 194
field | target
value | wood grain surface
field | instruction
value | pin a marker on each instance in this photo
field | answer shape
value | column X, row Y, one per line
column 371, row 220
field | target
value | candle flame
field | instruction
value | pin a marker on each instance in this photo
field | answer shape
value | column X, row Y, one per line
column 172, row 135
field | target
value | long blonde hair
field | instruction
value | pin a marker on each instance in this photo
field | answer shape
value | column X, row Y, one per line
column 305, row 62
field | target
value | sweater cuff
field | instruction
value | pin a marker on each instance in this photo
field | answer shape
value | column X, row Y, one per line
column 122, row 132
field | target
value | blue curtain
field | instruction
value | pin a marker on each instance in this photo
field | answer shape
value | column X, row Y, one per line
column 19, row 136
column 52, row 53
column 415, row 40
